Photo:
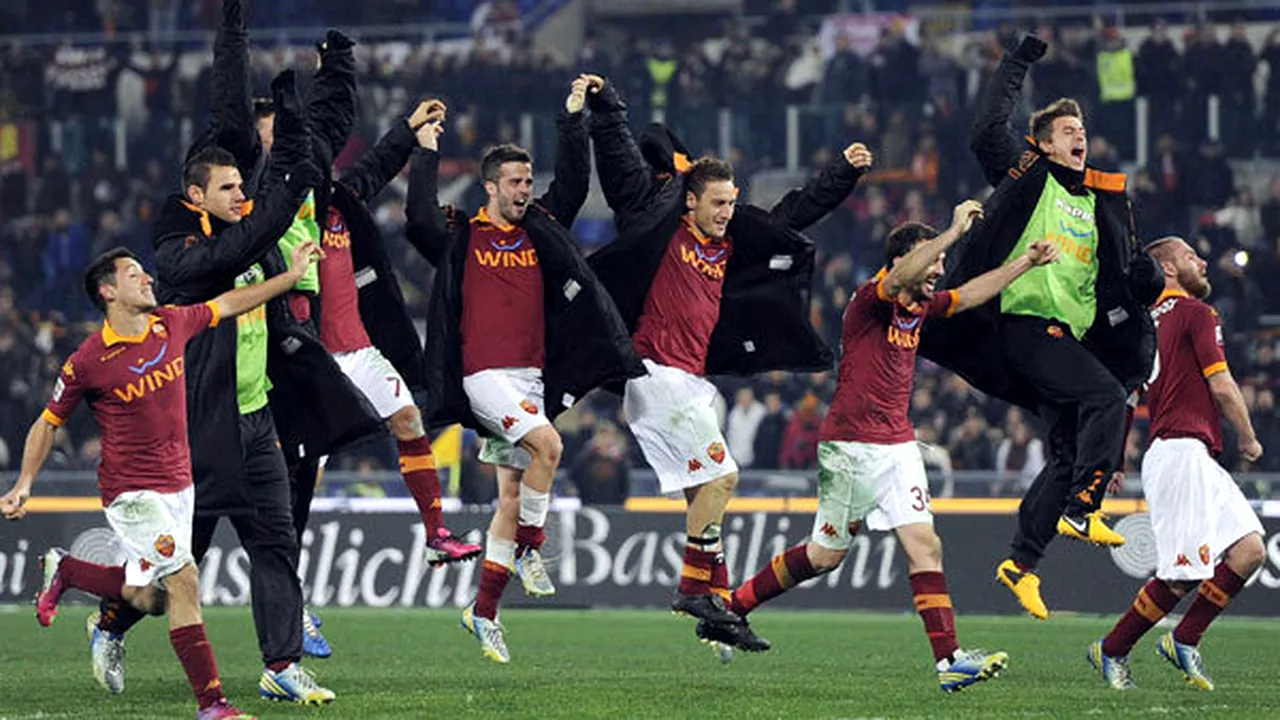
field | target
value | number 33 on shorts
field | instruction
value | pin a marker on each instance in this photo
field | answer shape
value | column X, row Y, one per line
column 920, row 499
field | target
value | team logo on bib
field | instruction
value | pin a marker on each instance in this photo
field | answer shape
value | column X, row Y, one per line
column 529, row 407
column 715, row 451
column 1204, row 555
column 165, row 546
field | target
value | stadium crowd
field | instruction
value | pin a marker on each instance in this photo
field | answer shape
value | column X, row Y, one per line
column 77, row 109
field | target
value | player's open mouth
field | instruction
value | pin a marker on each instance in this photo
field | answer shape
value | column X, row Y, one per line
column 521, row 203
column 1078, row 153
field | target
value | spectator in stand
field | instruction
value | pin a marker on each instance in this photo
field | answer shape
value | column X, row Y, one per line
column 846, row 78
column 1204, row 67
column 1269, row 123
column 767, row 449
column 600, row 471
column 1160, row 80
column 800, row 442
column 66, row 254
column 743, row 423
column 1019, row 458
column 968, row 444
column 1237, row 101
column 1270, row 214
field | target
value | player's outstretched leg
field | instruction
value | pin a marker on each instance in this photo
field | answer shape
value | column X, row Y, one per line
column 703, row 551
column 544, row 447
column 1110, row 656
column 1024, row 583
column 418, row 468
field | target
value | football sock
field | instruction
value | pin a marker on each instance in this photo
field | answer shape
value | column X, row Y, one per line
column 418, row 467
column 720, row 580
column 104, row 581
column 784, row 572
column 700, row 555
column 116, row 616
column 933, row 602
column 533, row 518
column 196, row 655
column 1154, row 601
column 499, row 557
column 1214, row 595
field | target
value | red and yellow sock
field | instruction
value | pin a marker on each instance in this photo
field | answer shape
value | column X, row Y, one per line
column 1154, row 601
column 784, row 572
column 196, row 655
column 933, row 603
column 1215, row 595
column 418, row 466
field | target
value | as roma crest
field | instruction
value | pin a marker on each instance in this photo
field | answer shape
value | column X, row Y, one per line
column 715, row 451
column 165, row 546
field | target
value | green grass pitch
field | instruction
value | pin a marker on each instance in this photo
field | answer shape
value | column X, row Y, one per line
column 641, row 664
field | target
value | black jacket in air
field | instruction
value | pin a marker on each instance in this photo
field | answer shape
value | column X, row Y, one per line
column 1122, row 336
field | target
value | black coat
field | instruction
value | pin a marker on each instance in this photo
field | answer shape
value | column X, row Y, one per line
column 587, row 344
column 1122, row 336
column 199, row 257
column 764, row 308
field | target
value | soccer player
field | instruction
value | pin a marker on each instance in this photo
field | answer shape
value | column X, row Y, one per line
column 707, row 286
column 1198, row 514
column 1069, row 342
column 133, row 376
column 518, row 329
column 869, row 466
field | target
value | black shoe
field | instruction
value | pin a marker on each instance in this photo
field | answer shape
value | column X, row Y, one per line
column 738, row 635
column 704, row 607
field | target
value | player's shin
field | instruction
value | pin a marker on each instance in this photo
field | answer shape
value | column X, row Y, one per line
column 785, row 571
column 499, row 560
column 1155, row 600
column 104, row 581
column 1213, row 597
column 187, row 635
column 418, row 467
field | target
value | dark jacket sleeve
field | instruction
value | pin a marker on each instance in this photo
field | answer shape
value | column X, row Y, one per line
column 799, row 209
column 381, row 163
column 625, row 177
column 992, row 139
column 233, row 126
column 568, row 190
column 331, row 110
column 427, row 228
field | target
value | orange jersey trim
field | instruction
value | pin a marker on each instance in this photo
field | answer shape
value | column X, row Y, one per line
column 217, row 314
column 111, row 337
column 955, row 302
column 1214, row 369
column 1105, row 181
column 1169, row 293
column 52, row 419
column 483, row 217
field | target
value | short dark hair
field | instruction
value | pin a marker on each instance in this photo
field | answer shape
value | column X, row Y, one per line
column 263, row 108
column 904, row 237
column 495, row 157
column 706, row 170
column 102, row 271
column 199, row 166
column 1042, row 120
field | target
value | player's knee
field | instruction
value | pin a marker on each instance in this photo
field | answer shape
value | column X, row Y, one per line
column 727, row 483
column 545, row 446
column 825, row 559
column 406, row 424
column 1247, row 555
column 924, row 549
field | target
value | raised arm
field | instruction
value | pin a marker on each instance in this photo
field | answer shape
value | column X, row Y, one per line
column 387, row 158
column 426, row 228
column 625, row 177
column 232, row 125
column 572, row 180
column 911, row 269
column 989, row 284
column 331, row 109
column 992, row 139
column 799, row 209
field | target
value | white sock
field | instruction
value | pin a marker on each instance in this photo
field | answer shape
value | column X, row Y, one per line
column 533, row 506
column 500, row 550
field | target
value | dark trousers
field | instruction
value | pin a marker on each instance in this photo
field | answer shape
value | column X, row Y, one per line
column 1084, row 408
column 302, row 481
column 268, row 537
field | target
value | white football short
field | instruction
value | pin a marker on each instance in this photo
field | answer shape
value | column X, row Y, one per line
column 884, row 485
column 369, row 370
column 673, row 416
column 1197, row 510
column 508, row 402
column 155, row 532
